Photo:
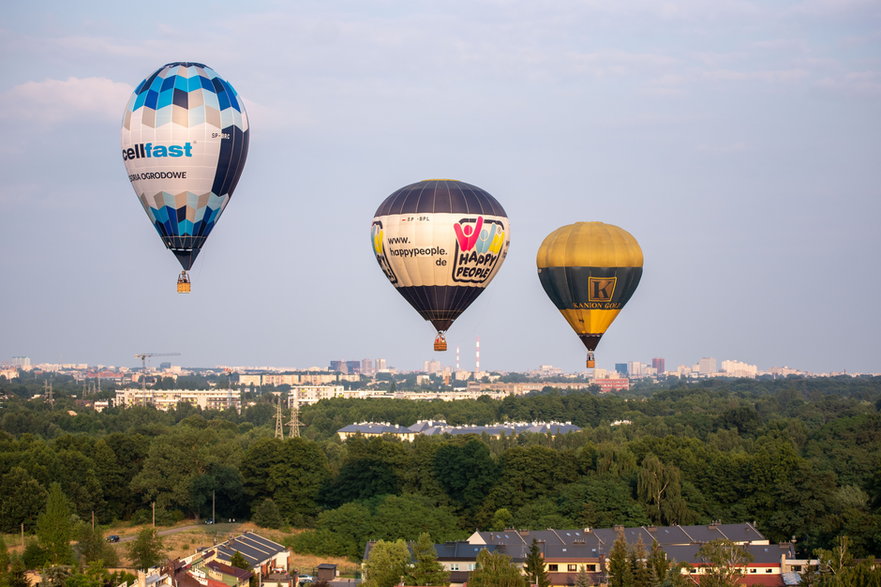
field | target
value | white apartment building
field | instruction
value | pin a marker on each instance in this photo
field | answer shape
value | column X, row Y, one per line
column 309, row 394
column 739, row 369
column 165, row 399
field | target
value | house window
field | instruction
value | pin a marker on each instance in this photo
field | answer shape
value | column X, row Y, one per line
column 454, row 566
column 767, row 570
column 752, row 570
column 573, row 568
column 591, row 568
column 552, row 568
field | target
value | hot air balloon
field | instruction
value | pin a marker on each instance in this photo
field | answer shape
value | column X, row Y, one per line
column 440, row 242
column 184, row 145
column 589, row 270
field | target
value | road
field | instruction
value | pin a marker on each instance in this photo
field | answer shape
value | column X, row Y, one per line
column 219, row 528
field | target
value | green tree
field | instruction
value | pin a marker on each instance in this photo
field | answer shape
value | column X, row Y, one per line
column 620, row 572
column 239, row 561
column 4, row 558
column 659, row 487
column 146, row 550
column 55, row 527
column 425, row 569
column 386, row 564
column 92, row 547
column 466, row 472
column 23, row 499
column 639, row 568
column 292, row 472
column 16, row 576
column 267, row 514
column 663, row 572
column 837, row 568
column 535, row 566
column 495, row 569
column 725, row 562
column 502, row 520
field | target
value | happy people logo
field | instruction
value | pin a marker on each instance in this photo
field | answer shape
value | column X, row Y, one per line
column 479, row 243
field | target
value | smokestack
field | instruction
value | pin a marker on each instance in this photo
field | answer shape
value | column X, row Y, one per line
column 457, row 358
column 477, row 356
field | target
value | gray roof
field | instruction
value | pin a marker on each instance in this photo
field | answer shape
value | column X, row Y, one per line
column 256, row 549
column 438, row 427
column 374, row 428
column 762, row 554
column 733, row 532
column 454, row 551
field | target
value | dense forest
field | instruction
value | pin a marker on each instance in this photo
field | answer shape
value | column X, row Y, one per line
column 801, row 457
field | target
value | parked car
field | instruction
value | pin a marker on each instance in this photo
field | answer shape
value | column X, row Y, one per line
column 113, row 538
column 208, row 521
column 303, row 579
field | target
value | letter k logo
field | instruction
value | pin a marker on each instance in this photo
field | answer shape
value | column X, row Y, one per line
column 601, row 289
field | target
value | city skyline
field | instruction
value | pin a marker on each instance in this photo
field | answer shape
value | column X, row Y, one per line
column 704, row 366
column 736, row 141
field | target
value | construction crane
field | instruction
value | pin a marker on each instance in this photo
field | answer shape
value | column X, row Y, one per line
column 143, row 357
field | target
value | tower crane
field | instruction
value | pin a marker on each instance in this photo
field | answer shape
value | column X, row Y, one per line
column 143, row 357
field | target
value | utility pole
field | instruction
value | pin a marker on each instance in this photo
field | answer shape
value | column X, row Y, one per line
column 213, row 515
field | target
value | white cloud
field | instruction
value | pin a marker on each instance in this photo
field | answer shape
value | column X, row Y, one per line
column 54, row 101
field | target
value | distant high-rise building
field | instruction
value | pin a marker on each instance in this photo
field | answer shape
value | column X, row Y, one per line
column 431, row 366
column 337, row 366
column 636, row 368
column 707, row 366
column 367, row 367
column 658, row 365
column 353, row 367
column 621, row 369
column 22, row 362
column 381, row 365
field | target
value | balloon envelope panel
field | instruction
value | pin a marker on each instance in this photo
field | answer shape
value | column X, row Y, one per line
column 184, row 144
column 589, row 270
column 440, row 243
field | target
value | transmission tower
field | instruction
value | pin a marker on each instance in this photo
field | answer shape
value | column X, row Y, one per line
column 295, row 416
column 279, row 426
column 47, row 389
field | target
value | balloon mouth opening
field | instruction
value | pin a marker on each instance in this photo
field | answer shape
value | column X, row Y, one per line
column 590, row 341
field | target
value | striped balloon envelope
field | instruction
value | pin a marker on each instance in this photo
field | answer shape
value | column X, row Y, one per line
column 184, row 145
column 589, row 271
column 440, row 242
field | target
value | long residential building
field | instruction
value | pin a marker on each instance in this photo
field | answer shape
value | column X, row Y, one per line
column 165, row 399
column 567, row 553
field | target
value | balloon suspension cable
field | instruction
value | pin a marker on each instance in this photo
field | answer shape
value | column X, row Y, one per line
column 440, row 343
column 183, row 282
column 591, row 363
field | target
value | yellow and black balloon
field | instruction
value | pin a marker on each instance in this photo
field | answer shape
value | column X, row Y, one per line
column 589, row 271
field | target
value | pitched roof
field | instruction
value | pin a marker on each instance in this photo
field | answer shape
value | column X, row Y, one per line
column 256, row 549
column 228, row 570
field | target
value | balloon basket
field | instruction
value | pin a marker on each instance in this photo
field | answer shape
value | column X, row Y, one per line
column 590, row 363
column 440, row 343
column 183, row 283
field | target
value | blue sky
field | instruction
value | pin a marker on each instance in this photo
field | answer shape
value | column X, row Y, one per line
column 738, row 141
